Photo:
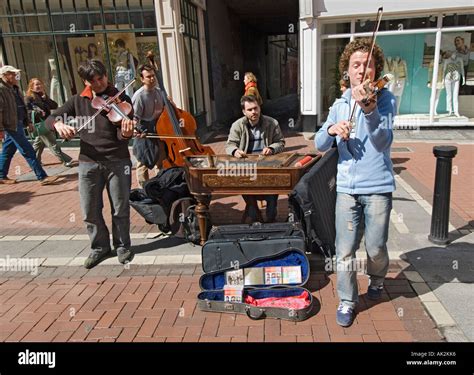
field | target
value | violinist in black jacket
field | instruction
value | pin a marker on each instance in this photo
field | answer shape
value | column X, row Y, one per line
column 104, row 163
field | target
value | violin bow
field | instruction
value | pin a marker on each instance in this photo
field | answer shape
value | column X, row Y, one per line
column 378, row 19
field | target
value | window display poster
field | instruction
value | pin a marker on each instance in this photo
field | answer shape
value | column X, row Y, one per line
column 459, row 42
column 81, row 49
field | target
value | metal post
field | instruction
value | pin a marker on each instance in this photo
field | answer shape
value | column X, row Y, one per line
column 442, row 193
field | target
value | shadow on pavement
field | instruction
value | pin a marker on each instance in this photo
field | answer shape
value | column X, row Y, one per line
column 453, row 263
column 162, row 243
column 11, row 200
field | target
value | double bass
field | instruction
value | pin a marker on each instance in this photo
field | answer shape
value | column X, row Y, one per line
column 177, row 128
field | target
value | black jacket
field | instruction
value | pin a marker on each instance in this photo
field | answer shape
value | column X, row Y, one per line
column 35, row 102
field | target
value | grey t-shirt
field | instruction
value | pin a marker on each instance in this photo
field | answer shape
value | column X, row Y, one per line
column 147, row 105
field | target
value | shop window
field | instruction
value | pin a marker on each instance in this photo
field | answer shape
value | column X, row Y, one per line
column 36, row 23
column 458, row 20
column 23, row 53
column 400, row 24
column 330, row 76
column 410, row 58
column 149, row 20
column 136, row 20
column 458, row 51
column 336, row 28
column 193, row 57
column 79, row 34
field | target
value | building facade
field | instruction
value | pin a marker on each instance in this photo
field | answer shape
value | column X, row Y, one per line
column 204, row 47
column 423, row 43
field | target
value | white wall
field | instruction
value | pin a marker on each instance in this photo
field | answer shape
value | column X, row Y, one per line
column 338, row 8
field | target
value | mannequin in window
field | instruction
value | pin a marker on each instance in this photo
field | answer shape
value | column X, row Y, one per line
column 398, row 68
column 125, row 69
column 453, row 73
column 54, row 87
column 439, row 80
column 462, row 51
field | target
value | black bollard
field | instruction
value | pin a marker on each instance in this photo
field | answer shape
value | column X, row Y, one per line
column 442, row 194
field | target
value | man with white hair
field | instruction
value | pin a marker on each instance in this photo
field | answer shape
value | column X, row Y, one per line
column 13, row 119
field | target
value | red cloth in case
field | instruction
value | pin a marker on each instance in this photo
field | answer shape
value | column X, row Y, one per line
column 294, row 303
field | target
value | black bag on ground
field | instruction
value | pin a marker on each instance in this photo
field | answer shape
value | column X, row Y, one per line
column 155, row 201
column 228, row 245
column 212, row 297
column 313, row 203
column 152, row 212
column 184, row 221
column 167, row 186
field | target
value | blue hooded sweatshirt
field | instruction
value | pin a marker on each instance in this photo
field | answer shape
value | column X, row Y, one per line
column 364, row 165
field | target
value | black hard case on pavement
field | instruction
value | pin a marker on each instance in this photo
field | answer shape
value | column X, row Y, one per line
column 313, row 202
column 229, row 245
column 258, row 245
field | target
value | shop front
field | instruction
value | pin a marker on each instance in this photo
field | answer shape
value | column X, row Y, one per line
column 430, row 58
column 49, row 39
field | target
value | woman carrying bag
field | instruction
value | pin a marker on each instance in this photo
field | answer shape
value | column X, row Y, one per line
column 40, row 106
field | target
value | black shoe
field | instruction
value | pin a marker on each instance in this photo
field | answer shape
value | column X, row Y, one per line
column 95, row 257
column 125, row 255
column 374, row 293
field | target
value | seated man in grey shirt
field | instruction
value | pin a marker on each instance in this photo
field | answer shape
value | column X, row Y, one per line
column 256, row 134
column 147, row 106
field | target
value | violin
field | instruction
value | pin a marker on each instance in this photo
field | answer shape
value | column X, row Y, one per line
column 177, row 128
column 377, row 86
column 116, row 110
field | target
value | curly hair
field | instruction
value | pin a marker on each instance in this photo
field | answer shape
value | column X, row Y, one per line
column 363, row 45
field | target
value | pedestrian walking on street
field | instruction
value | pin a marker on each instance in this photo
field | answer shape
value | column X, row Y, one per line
column 40, row 106
column 13, row 120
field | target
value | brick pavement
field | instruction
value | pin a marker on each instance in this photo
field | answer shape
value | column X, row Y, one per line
column 158, row 304
column 418, row 169
column 27, row 208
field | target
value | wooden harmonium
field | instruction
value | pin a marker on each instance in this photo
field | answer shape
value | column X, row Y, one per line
column 274, row 174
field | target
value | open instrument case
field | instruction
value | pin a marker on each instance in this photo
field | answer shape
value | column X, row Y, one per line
column 235, row 247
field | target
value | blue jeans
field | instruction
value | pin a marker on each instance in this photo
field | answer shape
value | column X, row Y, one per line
column 372, row 210
column 16, row 140
column 115, row 176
